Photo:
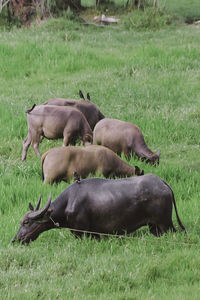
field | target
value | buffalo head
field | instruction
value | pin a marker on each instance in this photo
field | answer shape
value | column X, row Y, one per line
column 87, row 139
column 153, row 159
column 34, row 222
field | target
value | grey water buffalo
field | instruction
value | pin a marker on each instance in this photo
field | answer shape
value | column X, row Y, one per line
column 106, row 206
column 125, row 137
column 60, row 163
column 88, row 108
column 54, row 122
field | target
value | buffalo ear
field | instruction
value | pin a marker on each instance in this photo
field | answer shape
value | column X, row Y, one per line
column 31, row 207
column 38, row 214
column 137, row 170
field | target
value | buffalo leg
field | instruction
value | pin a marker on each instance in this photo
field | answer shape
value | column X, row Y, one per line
column 73, row 142
column 160, row 229
column 166, row 227
column 154, row 229
column 66, row 139
column 26, row 145
column 127, row 154
column 36, row 139
column 36, row 149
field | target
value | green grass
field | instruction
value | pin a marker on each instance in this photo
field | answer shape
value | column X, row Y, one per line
column 187, row 10
column 149, row 78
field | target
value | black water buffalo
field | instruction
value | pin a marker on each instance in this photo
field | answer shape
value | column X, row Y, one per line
column 54, row 122
column 105, row 206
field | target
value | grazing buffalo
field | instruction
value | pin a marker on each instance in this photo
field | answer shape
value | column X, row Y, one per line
column 89, row 109
column 60, row 163
column 105, row 206
column 125, row 137
column 54, row 122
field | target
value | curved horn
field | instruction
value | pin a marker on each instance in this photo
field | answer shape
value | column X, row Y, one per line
column 40, row 213
column 158, row 153
column 38, row 204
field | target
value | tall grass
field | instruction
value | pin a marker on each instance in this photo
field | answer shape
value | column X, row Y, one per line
column 148, row 78
column 150, row 18
column 187, row 10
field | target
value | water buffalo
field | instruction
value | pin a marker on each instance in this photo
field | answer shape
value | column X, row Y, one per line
column 124, row 137
column 105, row 206
column 54, row 122
column 89, row 109
column 60, row 163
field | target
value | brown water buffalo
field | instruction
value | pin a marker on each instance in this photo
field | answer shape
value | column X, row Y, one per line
column 60, row 163
column 125, row 137
column 102, row 206
column 89, row 109
column 54, row 122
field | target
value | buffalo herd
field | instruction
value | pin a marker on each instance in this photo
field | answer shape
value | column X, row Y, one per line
column 94, row 206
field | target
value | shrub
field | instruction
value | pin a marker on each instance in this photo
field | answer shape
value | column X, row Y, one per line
column 24, row 11
column 150, row 18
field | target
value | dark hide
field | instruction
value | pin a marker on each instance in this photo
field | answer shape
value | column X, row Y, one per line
column 106, row 206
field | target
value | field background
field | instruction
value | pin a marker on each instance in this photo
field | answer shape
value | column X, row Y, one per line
column 151, row 78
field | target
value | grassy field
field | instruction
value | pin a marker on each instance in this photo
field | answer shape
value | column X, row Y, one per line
column 188, row 10
column 149, row 78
